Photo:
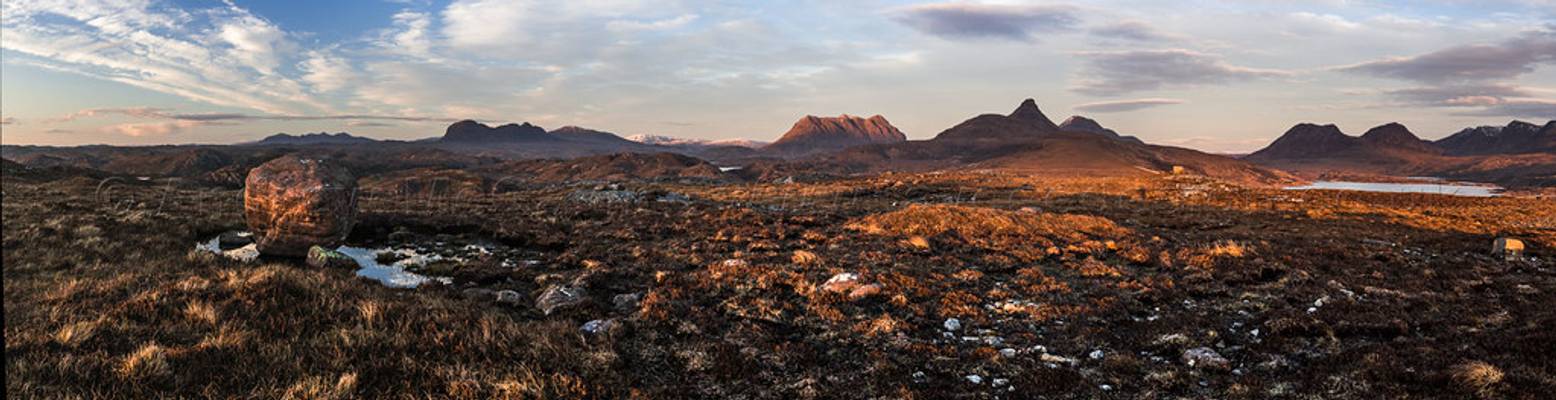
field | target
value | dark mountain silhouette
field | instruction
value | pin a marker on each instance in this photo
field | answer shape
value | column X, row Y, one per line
column 468, row 131
column 1393, row 136
column 813, row 134
column 1078, row 123
column 1026, row 122
column 1517, row 137
column 1392, row 150
column 313, row 139
column 1307, row 141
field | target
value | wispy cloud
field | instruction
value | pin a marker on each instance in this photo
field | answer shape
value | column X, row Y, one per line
column 1476, row 62
column 986, row 21
column 1126, row 105
column 1138, row 31
column 1111, row 73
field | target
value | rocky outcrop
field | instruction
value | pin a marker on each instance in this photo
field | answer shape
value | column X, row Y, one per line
column 814, row 134
column 293, row 203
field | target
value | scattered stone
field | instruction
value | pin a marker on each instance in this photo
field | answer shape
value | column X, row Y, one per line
column 1508, row 248
column 1204, row 357
column 864, row 291
column 1008, row 352
column 674, row 197
column 558, row 297
column 953, row 324
column 293, row 203
column 598, row 326
column 508, row 297
column 841, row 283
column 998, row 382
column 1172, row 340
column 1057, row 359
column 320, row 257
column 626, row 302
column 603, row 196
column 1097, row 354
column 975, row 379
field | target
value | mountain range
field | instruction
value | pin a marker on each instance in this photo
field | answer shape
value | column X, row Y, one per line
column 1024, row 140
column 1517, row 154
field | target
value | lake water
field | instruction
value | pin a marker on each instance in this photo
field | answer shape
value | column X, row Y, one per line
column 1435, row 188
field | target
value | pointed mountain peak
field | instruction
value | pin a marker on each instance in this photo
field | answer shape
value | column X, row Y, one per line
column 1029, row 113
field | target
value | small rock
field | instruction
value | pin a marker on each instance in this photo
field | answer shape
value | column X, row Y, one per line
column 626, row 302
column 603, row 196
column 1204, row 357
column 674, row 197
column 1172, row 340
column 864, row 291
column 557, row 297
column 1056, row 359
column 320, row 257
column 953, row 324
column 1508, row 248
column 975, row 379
column 598, row 326
column 1097, row 354
column 998, row 382
column 1008, row 352
column 841, row 283
column 508, row 297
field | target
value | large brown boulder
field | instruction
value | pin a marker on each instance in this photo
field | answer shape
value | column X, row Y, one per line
column 293, row 203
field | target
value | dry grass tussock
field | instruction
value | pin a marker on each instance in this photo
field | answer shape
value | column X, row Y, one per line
column 1026, row 234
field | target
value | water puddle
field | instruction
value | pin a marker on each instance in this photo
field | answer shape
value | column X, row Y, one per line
column 1452, row 189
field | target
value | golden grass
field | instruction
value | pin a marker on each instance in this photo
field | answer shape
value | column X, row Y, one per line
column 1478, row 377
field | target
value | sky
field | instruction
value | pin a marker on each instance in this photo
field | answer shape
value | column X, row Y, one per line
column 1215, row 75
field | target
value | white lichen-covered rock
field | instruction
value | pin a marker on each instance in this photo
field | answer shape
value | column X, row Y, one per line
column 558, row 297
column 1204, row 357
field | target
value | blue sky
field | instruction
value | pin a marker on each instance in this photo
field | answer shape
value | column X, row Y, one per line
column 1210, row 74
